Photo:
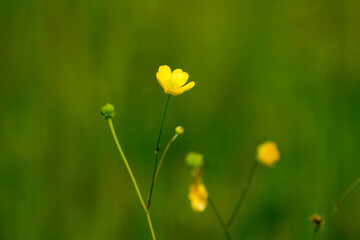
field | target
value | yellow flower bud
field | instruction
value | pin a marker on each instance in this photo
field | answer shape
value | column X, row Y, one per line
column 179, row 130
column 316, row 219
column 198, row 196
column 173, row 82
column 268, row 153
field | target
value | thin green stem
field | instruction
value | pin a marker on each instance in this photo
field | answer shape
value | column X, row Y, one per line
column 316, row 234
column 126, row 163
column 336, row 207
column 164, row 153
column 342, row 199
column 316, row 230
column 150, row 225
column 132, row 177
column 244, row 192
column 157, row 153
column 220, row 219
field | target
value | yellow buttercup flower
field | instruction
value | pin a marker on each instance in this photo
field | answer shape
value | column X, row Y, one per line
column 173, row 82
column 268, row 153
column 198, row 196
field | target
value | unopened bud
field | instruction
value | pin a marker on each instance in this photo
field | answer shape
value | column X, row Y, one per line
column 108, row 111
column 179, row 130
column 194, row 160
column 316, row 220
column 268, row 153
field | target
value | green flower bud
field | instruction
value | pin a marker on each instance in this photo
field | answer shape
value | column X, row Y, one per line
column 108, row 111
column 194, row 160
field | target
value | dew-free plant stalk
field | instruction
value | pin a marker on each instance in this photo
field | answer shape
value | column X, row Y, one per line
column 173, row 83
column 108, row 111
column 267, row 154
column 178, row 131
column 319, row 223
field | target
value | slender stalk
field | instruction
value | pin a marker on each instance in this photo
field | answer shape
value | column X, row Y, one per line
column 243, row 194
column 342, row 199
column 164, row 153
column 316, row 230
column 336, row 207
column 157, row 154
column 220, row 219
column 132, row 177
column 150, row 225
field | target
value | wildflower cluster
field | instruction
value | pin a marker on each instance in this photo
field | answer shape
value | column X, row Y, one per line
column 174, row 83
column 267, row 154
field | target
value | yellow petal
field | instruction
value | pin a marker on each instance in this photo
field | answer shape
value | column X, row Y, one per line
column 198, row 196
column 185, row 77
column 163, row 76
column 188, row 86
column 177, row 79
column 178, row 91
column 175, row 92
column 177, row 71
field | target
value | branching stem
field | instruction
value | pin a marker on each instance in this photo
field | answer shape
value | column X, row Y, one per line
column 244, row 192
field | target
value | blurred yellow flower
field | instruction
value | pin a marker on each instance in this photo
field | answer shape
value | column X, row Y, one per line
column 198, row 196
column 268, row 153
column 173, row 82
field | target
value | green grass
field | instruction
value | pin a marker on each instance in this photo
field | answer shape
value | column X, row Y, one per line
column 286, row 71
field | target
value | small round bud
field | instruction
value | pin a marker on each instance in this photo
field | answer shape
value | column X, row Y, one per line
column 316, row 220
column 194, row 160
column 268, row 153
column 179, row 130
column 108, row 111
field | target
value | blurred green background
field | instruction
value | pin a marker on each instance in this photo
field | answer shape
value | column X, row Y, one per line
column 287, row 71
